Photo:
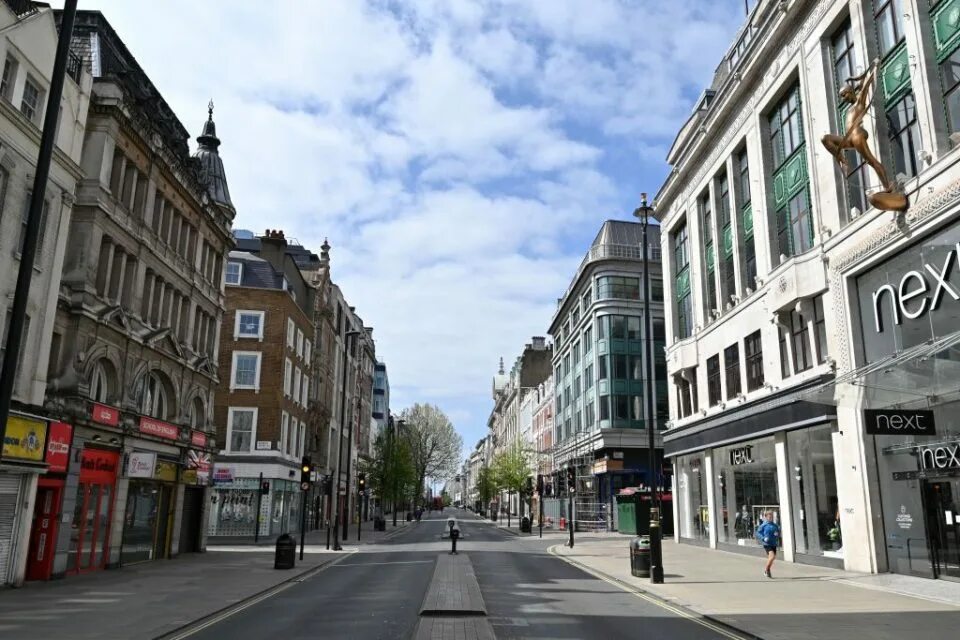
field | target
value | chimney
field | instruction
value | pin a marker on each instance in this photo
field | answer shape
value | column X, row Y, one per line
column 539, row 343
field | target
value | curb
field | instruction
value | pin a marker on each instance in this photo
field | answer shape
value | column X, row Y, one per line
column 726, row 628
column 188, row 629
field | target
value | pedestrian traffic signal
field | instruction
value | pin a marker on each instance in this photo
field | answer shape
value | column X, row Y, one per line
column 362, row 481
column 540, row 484
column 306, row 470
column 571, row 478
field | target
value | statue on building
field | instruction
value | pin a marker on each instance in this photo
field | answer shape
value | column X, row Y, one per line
column 857, row 93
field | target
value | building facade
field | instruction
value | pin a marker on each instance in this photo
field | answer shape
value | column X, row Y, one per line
column 29, row 468
column 811, row 335
column 133, row 362
column 262, row 403
column 600, row 418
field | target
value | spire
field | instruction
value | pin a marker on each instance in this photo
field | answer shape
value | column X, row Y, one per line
column 211, row 166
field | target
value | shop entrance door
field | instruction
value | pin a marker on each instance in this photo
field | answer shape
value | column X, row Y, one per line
column 91, row 524
column 161, row 542
column 942, row 503
column 43, row 533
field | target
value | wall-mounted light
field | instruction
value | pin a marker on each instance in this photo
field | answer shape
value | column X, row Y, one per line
column 96, row 438
column 114, row 440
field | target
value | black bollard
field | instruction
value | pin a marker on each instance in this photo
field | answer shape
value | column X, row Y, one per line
column 454, row 534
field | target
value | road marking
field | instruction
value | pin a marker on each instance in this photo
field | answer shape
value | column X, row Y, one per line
column 693, row 617
column 370, row 564
column 283, row 586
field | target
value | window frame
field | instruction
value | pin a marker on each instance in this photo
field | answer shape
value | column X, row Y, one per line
column 231, row 411
column 7, row 83
column 291, row 333
column 226, row 273
column 37, row 89
column 714, row 390
column 731, row 366
column 235, row 356
column 753, row 360
column 237, row 324
column 287, row 376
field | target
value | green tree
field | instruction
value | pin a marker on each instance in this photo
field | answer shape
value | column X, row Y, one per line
column 486, row 486
column 435, row 446
column 390, row 471
column 511, row 468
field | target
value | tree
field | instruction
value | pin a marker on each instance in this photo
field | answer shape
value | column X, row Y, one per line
column 389, row 470
column 511, row 468
column 486, row 486
column 435, row 446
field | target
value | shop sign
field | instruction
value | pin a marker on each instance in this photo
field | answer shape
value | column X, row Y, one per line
column 264, row 445
column 198, row 463
column 160, row 429
column 941, row 457
column 222, row 475
column 896, row 422
column 103, row 414
column 141, row 464
column 198, row 438
column 58, row 446
column 915, row 294
column 741, row 455
column 165, row 470
column 25, row 439
column 98, row 466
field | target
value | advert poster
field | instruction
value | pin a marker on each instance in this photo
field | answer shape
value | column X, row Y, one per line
column 58, row 446
column 25, row 439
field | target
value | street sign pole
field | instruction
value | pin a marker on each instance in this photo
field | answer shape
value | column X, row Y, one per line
column 256, row 530
column 303, row 517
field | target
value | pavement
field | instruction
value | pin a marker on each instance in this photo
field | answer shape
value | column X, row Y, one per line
column 800, row 602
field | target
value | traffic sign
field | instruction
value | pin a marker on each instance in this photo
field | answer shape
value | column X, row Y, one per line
column 305, row 486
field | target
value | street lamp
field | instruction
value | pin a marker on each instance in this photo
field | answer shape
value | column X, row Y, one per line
column 643, row 213
column 343, row 420
column 394, row 432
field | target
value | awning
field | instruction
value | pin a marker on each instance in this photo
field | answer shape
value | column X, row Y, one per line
column 924, row 375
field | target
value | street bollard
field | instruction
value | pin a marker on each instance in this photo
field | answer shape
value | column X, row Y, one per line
column 454, row 534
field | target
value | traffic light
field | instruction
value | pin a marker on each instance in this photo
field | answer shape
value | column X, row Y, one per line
column 540, row 484
column 571, row 478
column 265, row 487
column 362, row 482
column 328, row 485
column 306, row 470
column 529, row 486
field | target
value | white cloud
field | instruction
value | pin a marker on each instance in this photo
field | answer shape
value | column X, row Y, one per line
column 453, row 151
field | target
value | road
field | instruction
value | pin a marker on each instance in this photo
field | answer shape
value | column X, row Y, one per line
column 376, row 593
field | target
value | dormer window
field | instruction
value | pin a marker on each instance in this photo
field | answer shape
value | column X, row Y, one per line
column 233, row 273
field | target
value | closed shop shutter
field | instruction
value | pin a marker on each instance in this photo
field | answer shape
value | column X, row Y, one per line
column 9, row 496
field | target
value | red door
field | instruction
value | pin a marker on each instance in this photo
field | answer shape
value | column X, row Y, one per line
column 43, row 534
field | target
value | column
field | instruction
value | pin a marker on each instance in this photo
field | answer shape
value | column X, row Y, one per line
column 780, row 326
column 783, row 486
column 146, row 306
column 116, row 281
column 711, row 497
column 105, row 267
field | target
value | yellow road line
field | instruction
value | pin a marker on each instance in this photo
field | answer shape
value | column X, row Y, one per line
column 643, row 596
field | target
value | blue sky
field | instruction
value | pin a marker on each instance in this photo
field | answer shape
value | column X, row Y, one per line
column 458, row 154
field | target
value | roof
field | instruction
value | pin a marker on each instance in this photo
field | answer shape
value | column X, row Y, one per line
column 257, row 272
column 211, row 166
column 625, row 232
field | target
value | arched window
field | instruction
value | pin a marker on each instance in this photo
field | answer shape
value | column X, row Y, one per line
column 99, row 383
column 154, row 398
column 198, row 416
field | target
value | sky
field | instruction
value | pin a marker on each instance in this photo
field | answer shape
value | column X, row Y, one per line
column 459, row 155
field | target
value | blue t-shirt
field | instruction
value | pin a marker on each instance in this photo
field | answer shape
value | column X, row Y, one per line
column 768, row 533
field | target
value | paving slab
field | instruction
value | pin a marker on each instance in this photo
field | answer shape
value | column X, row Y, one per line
column 446, row 628
column 454, row 589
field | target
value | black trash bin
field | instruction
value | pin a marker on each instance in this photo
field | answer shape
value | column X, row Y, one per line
column 640, row 557
column 286, row 553
column 525, row 525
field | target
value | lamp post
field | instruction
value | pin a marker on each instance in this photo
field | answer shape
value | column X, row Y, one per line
column 343, row 420
column 643, row 213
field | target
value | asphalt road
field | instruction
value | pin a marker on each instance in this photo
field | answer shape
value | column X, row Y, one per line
column 375, row 594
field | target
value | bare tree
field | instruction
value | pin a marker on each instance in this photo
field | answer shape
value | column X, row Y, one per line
column 435, row 446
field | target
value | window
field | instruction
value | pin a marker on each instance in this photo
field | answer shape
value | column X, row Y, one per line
column 296, row 384
column 25, row 214
column 633, row 328
column 795, row 225
column 820, row 326
column 198, row 414
column 731, row 362
column 621, row 407
column 249, row 324
column 306, row 350
column 576, row 353
column 305, row 390
column 285, row 440
column 586, row 300
column 681, row 258
column 242, row 428
column 753, row 352
column 796, row 332
column 845, row 65
column 587, row 340
column 30, row 104
column 620, row 368
column 588, row 377
column 786, row 129
column 686, row 395
column 636, row 368
column 709, row 255
column 618, row 327
column 602, row 367
column 154, row 400
column 746, row 214
column 713, row 380
column 566, row 365
column 246, row 370
column 287, row 376
column 904, row 135
column 99, row 384
column 233, row 272
column 9, row 78
column 291, row 333
column 950, row 81
column 618, row 287
column 726, row 236
column 888, row 15
column 299, row 343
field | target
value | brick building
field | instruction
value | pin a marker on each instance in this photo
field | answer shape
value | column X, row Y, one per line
column 266, row 351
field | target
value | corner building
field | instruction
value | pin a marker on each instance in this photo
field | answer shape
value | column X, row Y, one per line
column 811, row 337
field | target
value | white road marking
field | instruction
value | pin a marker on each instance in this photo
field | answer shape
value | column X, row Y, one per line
column 370, row 564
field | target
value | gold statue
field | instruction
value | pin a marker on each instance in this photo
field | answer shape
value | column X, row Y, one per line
column 857, row 92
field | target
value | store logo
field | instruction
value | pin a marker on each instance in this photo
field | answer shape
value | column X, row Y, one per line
column 741, row 455
column 909, row 299
column 943, row 457
column 881, row 422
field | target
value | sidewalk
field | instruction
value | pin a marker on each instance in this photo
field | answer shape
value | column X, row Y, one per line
column 800, row 603
column 145, row 600
column 317, row 537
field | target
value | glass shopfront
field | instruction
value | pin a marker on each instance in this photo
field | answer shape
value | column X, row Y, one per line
column 147, row 522
column 234, row 508
column 746, row 487
column 813, row 491
column 694, row 511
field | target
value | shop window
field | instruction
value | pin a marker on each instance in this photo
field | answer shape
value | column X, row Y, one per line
column 813, row 487
column 692, row 497
column 753, row 352
column 713, row 380
column 731, row 362
column 746, row 487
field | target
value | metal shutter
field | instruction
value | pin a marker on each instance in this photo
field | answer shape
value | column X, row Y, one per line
column 9, row 498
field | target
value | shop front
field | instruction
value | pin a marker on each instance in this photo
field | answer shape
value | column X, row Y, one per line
column 149, row 513
column 49, row 502
column 24, row 446
column 908, row 401
column 89, row 547
column 236, row 500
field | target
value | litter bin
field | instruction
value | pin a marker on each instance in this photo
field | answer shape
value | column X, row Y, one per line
column 525, row 525
column 286, row 553
column 640, row 557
